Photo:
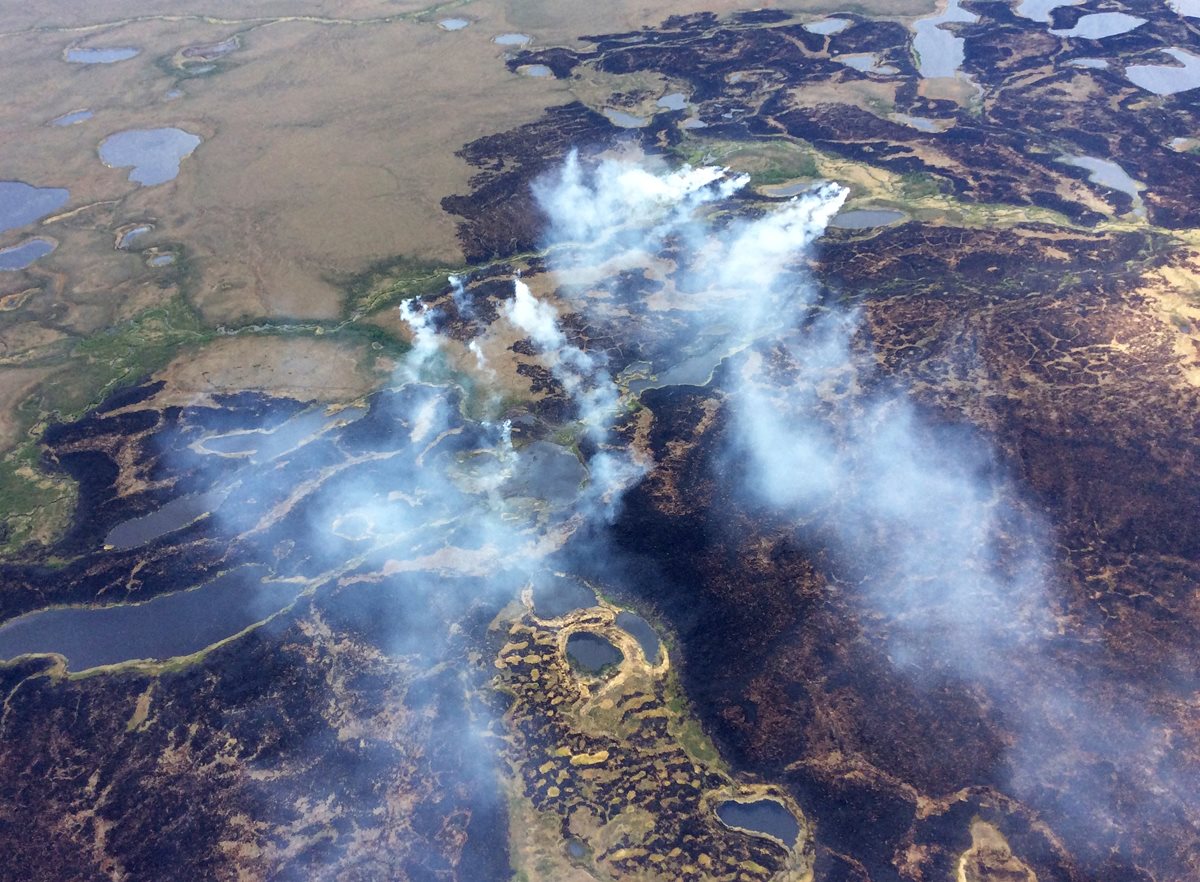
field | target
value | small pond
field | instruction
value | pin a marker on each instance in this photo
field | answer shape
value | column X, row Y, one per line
column 453, row 24
column 827, row 26
column 624, row 120
column 867, row 62
column 20, row 256
column 641, row 631
column 125, row 237
column 866, row 218
column 22, row 203
column 512, row 39
column 101, row 56
column 761, row 816
column 153, row 155
column 73, row 118
column 591, row 652
column 920, row 123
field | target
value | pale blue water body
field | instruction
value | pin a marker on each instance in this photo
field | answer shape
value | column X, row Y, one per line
column 641, row 631
column 920, row 123
column 1039, row 10
column 867, row 62
column 828, row 26
column 1167, row 79
column 624, row 120
column 22, row 203
column 101, row 56
column 153, row 154
column 866, row 219
column 160, row 260
column 1108, row 174
column 512, row 39
column 765, row 816
column 453, row 24
column 1101, row 25
column 174, row 515
column 939, row 52
column 20, row 256
column 673, row 101
column 1089, row 63
column 592, row 653
column 210, row 51
column 535, row 70
column 126, row 237
column 73, row 118
column 166, row 627
column 1189, row 8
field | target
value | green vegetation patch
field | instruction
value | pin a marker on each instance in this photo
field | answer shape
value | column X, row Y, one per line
column 390, row 281
column 767, row 162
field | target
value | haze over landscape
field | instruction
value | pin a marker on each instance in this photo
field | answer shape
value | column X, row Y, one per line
column 573, row 442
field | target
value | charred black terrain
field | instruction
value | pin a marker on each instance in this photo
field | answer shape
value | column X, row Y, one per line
column 406, row 719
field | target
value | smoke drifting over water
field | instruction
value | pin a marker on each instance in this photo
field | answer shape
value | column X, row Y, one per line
column 921, row 511
column 927, row 533
column 926, row 528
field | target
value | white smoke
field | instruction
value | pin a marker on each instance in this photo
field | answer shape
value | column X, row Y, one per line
column 586, row 381
column 918, row 511
column 934, row 542
column 425, row 341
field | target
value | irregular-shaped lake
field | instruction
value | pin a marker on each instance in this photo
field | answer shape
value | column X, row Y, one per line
column 1100, row 25
column 624, row 120
column 1167, row 79
column 920, row 123
column 1108, row 174
column 20, row 256
column 22, row 203
column 167, row 626
column 176, row 514
column 939, row 52
column 867, row 62
column 641, row 631
column 1039, row 10
column 827, row 26
column 153, row 154
column 765, row 816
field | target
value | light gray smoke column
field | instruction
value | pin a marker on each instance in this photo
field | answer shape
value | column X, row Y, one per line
column 933, row 539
